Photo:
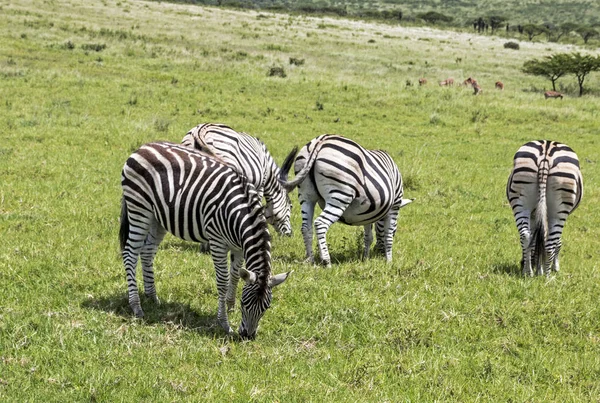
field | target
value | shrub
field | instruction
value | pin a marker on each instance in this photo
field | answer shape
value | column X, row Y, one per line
column 296, row 62
column 277, row 71
column 96, row 47
column 512, row 45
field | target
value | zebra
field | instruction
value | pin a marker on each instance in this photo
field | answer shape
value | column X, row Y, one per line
column 352, row 185
column 249, row 156
column 544, row 187
column 171, row 188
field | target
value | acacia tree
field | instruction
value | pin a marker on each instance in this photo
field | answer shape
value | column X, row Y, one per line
column 566, row 29
column 582, row 65
column 496, row 22
column 551, row 67
column 587, row 33
column 534, row 30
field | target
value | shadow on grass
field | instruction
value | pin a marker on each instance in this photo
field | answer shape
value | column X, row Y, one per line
column 171, row 313
column 511, row 269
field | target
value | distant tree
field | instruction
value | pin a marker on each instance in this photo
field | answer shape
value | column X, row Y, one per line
column 582, row 65
column 532, row 30
column 496, row 22
column 565, row 29
column 587, row 33
column 433, row 17
column 551, row 67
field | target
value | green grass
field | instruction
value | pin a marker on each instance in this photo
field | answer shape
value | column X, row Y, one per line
column 450, row 320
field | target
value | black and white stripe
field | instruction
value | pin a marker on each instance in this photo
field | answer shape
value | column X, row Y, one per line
column 352, row 185
column 170, row 187
column 249, row 156
column 545, row 186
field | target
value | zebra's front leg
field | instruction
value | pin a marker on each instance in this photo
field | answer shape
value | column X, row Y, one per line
column 237, row 260
column 368, row 240
column 155, row 236
column 330, row 214
column 131, row 251
column 219, row 257
column 308, row 211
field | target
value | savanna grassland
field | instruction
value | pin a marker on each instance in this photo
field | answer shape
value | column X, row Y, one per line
column 83, row 84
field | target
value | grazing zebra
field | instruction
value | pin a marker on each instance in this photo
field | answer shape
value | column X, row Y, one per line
column 249, row 156
column 169, row 187
column 545, row 186
column 351, row 185
column 553, row 94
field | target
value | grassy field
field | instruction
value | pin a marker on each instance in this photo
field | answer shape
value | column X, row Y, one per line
column 83, row 84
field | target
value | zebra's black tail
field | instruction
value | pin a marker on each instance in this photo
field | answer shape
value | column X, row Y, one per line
column 124, row 230
column 303, row 173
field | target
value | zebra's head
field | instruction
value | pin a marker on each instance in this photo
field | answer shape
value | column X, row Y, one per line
column 256, row 299
column 278, row 212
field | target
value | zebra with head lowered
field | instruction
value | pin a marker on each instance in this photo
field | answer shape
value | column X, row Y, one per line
column 249, row 156
column 545, row 186
column 170, row 187
column 352, row 185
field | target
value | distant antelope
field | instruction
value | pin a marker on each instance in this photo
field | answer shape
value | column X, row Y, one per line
column 469, row 81
column 476, row 88
column 422, row 81
column 553, row 94
column 447, row 82
column 499, row 85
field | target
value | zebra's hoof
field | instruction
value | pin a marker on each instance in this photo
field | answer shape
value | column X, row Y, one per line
column 138, row 312
column 309, row 260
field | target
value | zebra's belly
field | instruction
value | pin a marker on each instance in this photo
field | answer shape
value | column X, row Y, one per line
column 359, row 213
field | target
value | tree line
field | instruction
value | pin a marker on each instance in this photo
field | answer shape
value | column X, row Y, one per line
column 558, row 65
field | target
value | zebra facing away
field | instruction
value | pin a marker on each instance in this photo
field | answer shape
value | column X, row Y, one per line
column 545, row 186
column 249, row 156
column 170, row 187
column 352, row 185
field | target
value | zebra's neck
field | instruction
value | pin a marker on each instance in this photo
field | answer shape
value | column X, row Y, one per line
column 256, row 243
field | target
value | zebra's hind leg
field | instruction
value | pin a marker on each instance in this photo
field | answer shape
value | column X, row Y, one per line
column 138, row 227
column 390, row 225
column 330, row 214
column 218, row 253
column 237, row 260
column 308, row 211
column 368, row 240
column 526, row 246
column 155, row 236
column 380, row 237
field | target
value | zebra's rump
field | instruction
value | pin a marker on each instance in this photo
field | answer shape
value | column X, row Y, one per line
column 368, row 180
column 564, row 184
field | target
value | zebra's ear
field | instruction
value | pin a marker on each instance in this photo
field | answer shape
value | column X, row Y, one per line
column 274, row 281
column 248, row 276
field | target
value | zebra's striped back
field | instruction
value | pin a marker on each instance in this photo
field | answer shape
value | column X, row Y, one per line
column 351, row 184
column 544, row 187
column 169, row 187
column 250, row 157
